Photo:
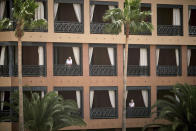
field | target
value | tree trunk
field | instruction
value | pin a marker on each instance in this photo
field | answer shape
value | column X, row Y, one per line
column 21, row 114
column 125, row 80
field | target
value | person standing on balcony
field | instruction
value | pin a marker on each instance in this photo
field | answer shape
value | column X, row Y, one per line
column 69, row 61
column 131, row 104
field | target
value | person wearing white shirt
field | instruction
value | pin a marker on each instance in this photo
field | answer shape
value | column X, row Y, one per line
column 69, row 61
column 131, row 104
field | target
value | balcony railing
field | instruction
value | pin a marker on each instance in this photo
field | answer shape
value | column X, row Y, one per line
column 97, row 28
column 4, row 70
column 137, row 112
column 103, row 113
column 168, row 70
column 192, row 71
column 31, row 70
column 66, row 70
column 38, row 29
column 102, row 70
column 135, row 70
column 192, row 30
column 169, row 30
column 68, row 27
column 4, row 115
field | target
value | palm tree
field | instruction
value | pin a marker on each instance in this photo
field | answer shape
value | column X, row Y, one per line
column 133, row 20
column 49, row 113
column 23, row 13
column 179, row 109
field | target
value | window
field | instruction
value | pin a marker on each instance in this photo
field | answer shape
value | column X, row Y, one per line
column 191, row 63
column 72, row 22
column 192, row 20
column 169, row 20
column 72, row 93
column 102, row 60
column 97, row 11
column 64, row 53
column 33, row 59
column 168, row 60
column 138, row 102
column 103, row 102
column 138, row 60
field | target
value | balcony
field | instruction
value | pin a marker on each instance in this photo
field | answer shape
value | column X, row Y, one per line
column 31, row 70
column 103, row 113
column 135, row 70
column 65, row 70
column 137, row 112
column 168, row 70
column 68, row 27
column 102, row 70
column 192, row 30
column 4, row 70
column 169, row 30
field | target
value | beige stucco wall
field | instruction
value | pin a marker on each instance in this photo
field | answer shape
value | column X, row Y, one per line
column 86, row 81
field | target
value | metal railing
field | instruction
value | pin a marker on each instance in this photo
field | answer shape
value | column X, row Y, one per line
column 97, row 28
column 103, row 113
column 102, row 70
column 67, row 70
column 31, row 70
column 4, row 70
column 169, row 30
column 5, row 115
column 192, row 30
column 37, row 29
column 68, row 27
column 137, row 112
column 191, row 71
column 136, row 70
column 168, row 70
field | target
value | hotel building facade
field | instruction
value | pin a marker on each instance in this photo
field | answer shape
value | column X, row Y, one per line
column 157, row 60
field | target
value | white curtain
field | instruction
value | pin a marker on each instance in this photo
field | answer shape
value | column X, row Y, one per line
column 111, row 7
column 2, row 57
column 176, row 16
column 92, row 8
column 143, row 57
column 39, row 11
column 42, row 94
column 189, row 14
column 111, row 55
column 126, row 93
column 90, row 54
column 57, row 92
column 76, row 52
column 112, row 97
column 2, row 8
column 91, row 98
column 77, row 9
column 177, row 57
column 188, row 56
column 145, row 97
column 178, row 100
column 157, row 56
column 2, row 99
column 78, row 99
column 41, row 55
column 56, row 5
